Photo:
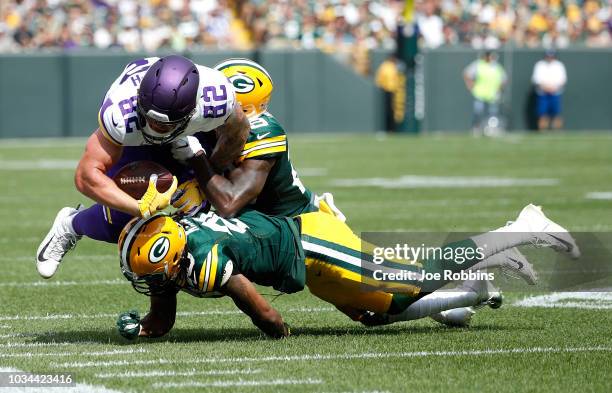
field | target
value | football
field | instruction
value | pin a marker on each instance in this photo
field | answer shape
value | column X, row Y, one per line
column 133, row 178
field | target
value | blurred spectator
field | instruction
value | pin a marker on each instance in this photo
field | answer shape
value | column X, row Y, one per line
column 431, row 26
column 7, row 44
column 388, row 78
column 337, row 26
column 132, row 25
column 485, row 78
column 549, row 78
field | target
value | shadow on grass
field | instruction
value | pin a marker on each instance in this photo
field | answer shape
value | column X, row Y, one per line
column 392, row 330
column 181, row 335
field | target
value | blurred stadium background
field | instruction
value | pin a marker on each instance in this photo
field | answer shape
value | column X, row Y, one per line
column 57, row 58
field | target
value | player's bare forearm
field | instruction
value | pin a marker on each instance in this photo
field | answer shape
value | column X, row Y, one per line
column 90, row 176
column 161, row 316
column 230, row 140
column 249, row 301
column 232, row 193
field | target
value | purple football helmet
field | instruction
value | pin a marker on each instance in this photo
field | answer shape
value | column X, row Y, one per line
column 167, row 98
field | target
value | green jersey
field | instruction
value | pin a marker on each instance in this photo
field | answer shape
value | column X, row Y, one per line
column 283, row 193
column 265, row 249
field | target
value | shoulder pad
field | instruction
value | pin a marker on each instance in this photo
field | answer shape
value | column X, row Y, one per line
column 216, row 101
column 119, row 120
column 111, row 122
column 266, row 139
column 215, row 271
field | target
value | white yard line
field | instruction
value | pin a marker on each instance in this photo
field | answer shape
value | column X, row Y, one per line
column 51, row 317
column 32, row 258
column 415, row 181
column 324, row 357
column 238, row 383
column 586, row 300
column 42, row 143
column 12, row 240
column 41, row 283
column 190, row 373
column 456, row 229
column 599, row 195
column 46, row 164
column 49, row 334
column 62, row 354
column 78, row 388
column 49, row 344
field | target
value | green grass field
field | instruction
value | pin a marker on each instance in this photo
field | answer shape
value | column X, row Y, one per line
column 68, row 324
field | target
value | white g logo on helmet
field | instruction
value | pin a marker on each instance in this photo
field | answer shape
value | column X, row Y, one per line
column 242, row 83
column 159, row 249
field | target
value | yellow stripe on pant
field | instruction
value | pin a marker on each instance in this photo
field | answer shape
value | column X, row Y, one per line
column 335, row 276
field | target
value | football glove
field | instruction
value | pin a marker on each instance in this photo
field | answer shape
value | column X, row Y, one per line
column 153, row 200
column 185, row 148
column 288, row 328
column 188, row 198
column 128, row 324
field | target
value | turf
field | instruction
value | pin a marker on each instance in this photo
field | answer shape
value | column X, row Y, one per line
column 67, row 324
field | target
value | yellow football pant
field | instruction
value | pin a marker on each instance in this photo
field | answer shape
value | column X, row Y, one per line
column 333, row 266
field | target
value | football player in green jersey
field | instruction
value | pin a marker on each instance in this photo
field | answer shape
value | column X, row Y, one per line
column 263, row 178
column 206, row 255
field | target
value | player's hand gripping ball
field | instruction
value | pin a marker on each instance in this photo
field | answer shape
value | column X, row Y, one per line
column 128, row 324
column 133, row 178
column 153, row 200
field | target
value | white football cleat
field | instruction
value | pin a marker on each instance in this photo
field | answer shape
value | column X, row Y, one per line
column 512, row 263
column 455, row 317
column 517, row 265
column 462, row 316
column 57, row 243
column 494, row 300
column 545, row 232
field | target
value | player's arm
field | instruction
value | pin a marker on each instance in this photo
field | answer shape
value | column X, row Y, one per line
column 156, row 323
column 91, row 180
column 231, row 137
column 247, row 299
column 161, row 316
column 230, row 194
